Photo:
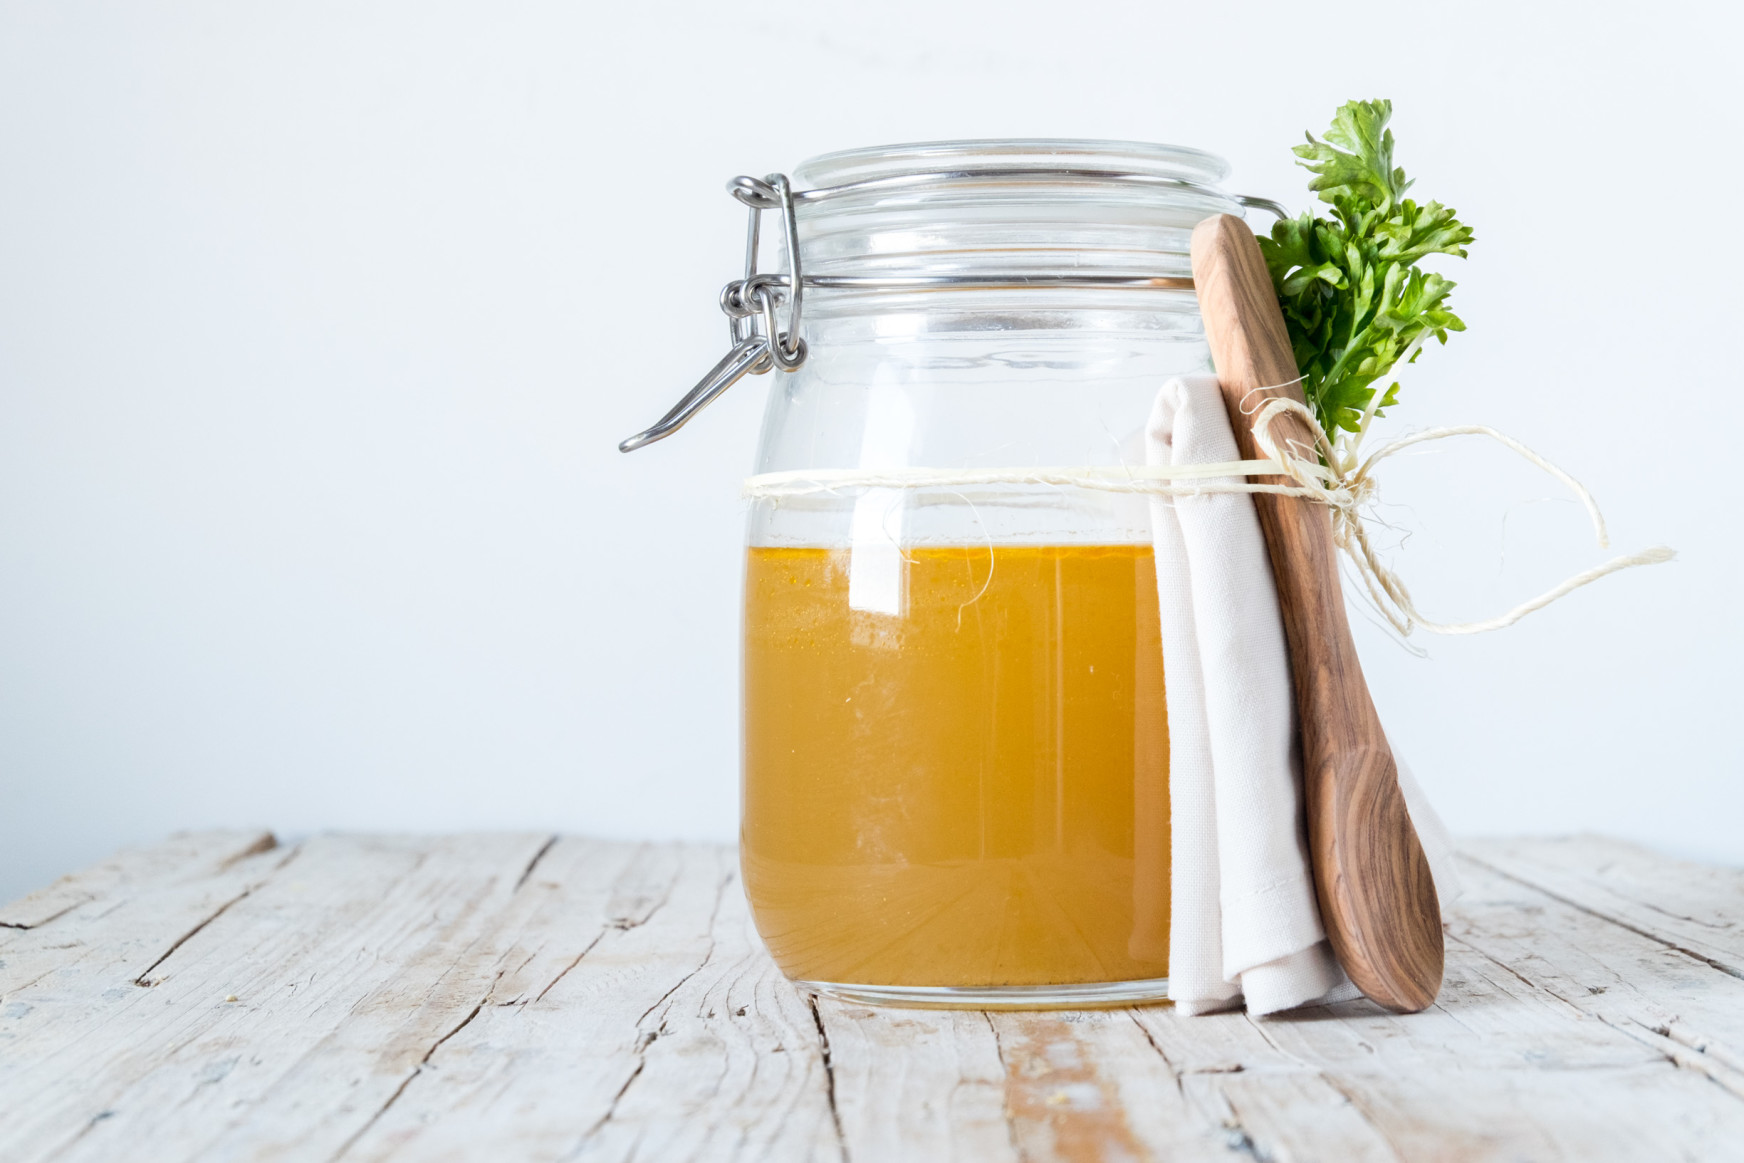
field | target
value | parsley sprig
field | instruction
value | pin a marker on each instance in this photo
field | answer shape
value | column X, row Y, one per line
column 1354, row 299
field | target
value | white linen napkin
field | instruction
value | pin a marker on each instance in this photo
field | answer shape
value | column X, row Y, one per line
column 1244, row 922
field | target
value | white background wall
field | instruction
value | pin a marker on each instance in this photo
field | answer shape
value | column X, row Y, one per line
column 319, row 323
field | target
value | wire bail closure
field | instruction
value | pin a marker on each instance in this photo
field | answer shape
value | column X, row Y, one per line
column 757, row 294
column 751, row 305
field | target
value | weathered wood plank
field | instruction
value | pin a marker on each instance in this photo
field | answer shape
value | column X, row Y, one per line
column 258, row 992
column 1091, row 1085
column 928, row 1083
column 424, row 994
column 1502, row 1067
column 133, row 872
column 485, row 1088
column 1695, row 907
column 1498, row 1069
column 1261, row 1100
column 669, row 1035
column 1672, row 1002
column 518, row 997
column 732, row 1064
column 130, row 914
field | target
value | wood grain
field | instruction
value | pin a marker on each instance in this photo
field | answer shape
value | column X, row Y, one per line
column 185, row 857
column 1377, row 898
column 1697, row 908
column 529, row 998
column 1666, row 996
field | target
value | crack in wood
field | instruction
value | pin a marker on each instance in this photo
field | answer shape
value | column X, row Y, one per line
column 1533, row 986
column 1330, row 1081
column 1005, row 1091
column 464, row 1022
column 708, row 954
column 1711, row 963
column 1174, row 1072
column 23, row 926
column 636, row 911
column 266, row 843
column 645, row 1037
column 1690, row 1051
column 23, row 985
column 1715, row 1049
column 662, row 998
column 829, row 1075
column 564, row 972
column 145, row 981
column 1572, row 1035
column 413, row 1074
column 1259, row 1028
column 1676, row 916
column 1679, row 1054
column 1237, row 1138
column 1351, row 1097
column 526, row 872
column 588, row 1136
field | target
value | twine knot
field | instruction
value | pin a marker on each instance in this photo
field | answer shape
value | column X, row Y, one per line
column 1335, row 474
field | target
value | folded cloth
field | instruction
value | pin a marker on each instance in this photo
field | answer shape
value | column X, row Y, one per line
column 1244, row 923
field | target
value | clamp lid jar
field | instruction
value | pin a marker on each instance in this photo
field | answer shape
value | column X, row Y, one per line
column 955, row 746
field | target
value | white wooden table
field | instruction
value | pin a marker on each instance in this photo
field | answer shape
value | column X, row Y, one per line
column 505, row 997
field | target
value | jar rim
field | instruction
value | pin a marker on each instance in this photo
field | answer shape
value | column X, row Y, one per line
column 1020, row 211
column 1039, row 155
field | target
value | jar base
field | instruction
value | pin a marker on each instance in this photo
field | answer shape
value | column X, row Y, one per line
column 1073, row 996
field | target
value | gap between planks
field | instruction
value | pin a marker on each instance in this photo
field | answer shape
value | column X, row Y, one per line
column 646, row 951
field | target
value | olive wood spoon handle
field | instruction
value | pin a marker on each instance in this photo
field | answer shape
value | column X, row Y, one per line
column 1377, row 899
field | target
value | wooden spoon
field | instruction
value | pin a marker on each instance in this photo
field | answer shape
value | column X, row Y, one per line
column 1377, row 899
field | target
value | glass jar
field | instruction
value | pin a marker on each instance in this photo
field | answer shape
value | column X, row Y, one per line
column 955, row 749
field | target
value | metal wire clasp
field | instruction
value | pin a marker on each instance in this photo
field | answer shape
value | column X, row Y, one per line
column 752, row 306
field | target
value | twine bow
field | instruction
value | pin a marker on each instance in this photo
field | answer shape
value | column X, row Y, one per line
column 1337, row 476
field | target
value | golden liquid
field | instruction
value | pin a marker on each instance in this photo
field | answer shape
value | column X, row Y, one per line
column 971, row 793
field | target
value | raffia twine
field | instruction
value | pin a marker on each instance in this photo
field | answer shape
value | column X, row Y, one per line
column 1333, row 473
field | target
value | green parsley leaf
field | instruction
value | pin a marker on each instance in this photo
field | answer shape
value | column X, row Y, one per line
column 1355, row 301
